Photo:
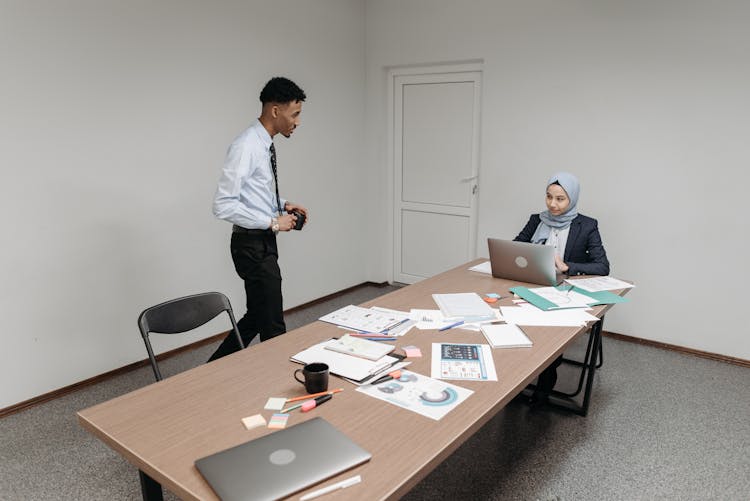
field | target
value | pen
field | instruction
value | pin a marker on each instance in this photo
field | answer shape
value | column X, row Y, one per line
column 311, row 404
column 307, row 397
column 368, row 334
column 333, row 487
column 391, row 375
column 450, row 326
column 296, row 406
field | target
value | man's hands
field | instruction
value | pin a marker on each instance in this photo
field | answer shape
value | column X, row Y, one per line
column 289, row 220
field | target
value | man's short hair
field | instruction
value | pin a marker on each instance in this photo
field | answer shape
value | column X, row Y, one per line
column 281, row 90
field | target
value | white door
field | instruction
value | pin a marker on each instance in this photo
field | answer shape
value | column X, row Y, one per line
column 435, row 145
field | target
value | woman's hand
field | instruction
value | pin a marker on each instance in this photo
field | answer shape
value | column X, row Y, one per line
column 560, row 265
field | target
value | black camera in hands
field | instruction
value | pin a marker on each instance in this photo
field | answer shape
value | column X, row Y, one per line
column 300, row 219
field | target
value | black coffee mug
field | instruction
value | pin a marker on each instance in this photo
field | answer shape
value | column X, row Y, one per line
column 315, row 377
column 300, row 219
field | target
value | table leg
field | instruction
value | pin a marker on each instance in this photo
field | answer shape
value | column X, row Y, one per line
column 596, row 332
column 150, row 488
column 564, row 401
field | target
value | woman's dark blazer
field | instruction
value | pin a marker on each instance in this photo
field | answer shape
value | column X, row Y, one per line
column 584, row 251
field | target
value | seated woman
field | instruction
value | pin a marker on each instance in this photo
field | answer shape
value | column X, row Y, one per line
column 578, row 247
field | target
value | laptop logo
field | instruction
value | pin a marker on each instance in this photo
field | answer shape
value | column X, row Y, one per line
column 282, row 457
column 521, row 262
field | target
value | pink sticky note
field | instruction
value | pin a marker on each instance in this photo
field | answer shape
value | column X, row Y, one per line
column 412, row 351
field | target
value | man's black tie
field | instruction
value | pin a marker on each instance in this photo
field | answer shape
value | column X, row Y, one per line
column 275, row 177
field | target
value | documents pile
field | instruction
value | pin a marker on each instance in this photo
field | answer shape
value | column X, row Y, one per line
column 460, row 310
column 353, row 359
column 562, row 306
column 370, row 320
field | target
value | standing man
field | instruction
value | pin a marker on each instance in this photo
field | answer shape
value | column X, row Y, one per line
column 248, row 197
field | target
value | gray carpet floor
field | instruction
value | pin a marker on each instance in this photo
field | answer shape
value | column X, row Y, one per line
column 662, row 425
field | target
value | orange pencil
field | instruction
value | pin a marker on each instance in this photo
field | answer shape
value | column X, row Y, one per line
column 305, row 397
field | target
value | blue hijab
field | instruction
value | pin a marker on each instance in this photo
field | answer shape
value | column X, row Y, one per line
column 571, row 186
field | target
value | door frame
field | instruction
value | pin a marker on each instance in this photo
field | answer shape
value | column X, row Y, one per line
column 392, row 127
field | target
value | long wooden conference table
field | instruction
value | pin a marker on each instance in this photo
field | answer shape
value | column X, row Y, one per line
column 163, row 428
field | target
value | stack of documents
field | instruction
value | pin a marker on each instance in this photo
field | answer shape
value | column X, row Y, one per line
column 356, row 369
column 467, row 306
column 434, row 319
column 358, row 347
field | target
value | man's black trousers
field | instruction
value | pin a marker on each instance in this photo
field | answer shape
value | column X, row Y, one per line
column 255, row 258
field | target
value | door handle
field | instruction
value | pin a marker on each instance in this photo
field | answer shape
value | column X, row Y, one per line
column 467, row 179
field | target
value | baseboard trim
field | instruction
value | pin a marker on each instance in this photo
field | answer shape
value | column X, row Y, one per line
column 335, row 295
column 52, row 395
column 680, row 349
column 163, row 356
column 212, row 339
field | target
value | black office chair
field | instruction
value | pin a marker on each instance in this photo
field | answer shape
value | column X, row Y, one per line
column 182, row 315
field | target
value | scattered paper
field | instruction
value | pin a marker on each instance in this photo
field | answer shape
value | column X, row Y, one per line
column 506, row 336
column 482, row 268
column 597, row 284
column 563, row 298
column 527, row 314
column 400, row 329
column 429, row 319
column 364, row 319
column 275, row 404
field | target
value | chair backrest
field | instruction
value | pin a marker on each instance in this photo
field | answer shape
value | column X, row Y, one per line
column 181, row 315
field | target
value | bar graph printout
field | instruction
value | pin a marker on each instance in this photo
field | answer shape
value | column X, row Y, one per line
column 463, row 361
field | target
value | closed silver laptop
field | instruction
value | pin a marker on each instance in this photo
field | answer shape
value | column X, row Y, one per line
column 281, row 463
column 523, row 261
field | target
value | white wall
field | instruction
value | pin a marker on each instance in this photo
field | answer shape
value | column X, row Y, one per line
column 648, row 102
column 116, row 117
column 115, row 120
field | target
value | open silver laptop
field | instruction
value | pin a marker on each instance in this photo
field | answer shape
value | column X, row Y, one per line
column 281, row 463
column 522, row 261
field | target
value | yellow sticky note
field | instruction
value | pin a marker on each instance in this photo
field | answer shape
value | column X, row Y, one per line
column 251, row 422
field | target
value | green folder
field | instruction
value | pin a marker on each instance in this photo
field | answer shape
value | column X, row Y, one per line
column 597, row 298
